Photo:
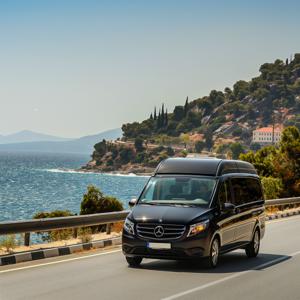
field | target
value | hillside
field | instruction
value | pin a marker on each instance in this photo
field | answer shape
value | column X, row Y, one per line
column 221, row 122
column 232, row 114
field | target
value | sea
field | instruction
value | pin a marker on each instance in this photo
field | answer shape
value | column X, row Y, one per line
column 35, row 182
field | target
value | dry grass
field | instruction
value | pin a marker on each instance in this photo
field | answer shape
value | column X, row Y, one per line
column 72, row 241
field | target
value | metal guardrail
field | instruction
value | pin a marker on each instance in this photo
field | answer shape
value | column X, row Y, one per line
column 283, row 201
column 41, row 225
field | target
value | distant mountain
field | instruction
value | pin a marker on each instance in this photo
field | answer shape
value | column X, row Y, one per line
column 26, row 136
column 82, row 145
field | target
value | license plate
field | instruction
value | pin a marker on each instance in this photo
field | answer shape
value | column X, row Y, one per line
column 159, row 245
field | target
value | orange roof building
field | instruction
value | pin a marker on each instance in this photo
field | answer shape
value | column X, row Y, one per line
column 264, row 135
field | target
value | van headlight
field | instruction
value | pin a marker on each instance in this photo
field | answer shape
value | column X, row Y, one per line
column 197, row 228
column 129, row 227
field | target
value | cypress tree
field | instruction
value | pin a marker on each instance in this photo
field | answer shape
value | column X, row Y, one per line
column 151, row 116
column 166, row 118
column 158, row 124
column 186, row 106
column 162, row 121
column 155, row 117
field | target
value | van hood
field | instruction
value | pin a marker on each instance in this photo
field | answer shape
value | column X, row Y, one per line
column 167, row 214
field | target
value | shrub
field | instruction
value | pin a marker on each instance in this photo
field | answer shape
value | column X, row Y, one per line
column 183, row 153
column 236, row 149
column 199, row 146
column 85, row 234
column 153, row 163
column 95, row 202
column 55, row 235
column 126, row 155
column 138, row 144
column 8, row 242
column 272, row 187
column 170, row 151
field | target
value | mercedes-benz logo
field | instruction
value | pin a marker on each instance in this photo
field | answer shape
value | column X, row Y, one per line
column 159, row 231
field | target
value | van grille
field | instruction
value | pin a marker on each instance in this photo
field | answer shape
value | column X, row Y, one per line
column 153, row 231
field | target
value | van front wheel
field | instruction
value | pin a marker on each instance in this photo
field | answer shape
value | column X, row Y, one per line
column 212, row 260
column 134, row 261
column 253, row 248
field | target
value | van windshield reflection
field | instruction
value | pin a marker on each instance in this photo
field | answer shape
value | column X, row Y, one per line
column 178, row 190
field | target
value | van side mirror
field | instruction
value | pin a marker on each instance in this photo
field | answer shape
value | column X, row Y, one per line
column 132, row 202
column 228, row 207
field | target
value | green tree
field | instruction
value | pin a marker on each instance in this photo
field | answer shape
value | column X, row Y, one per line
column 255, row 146
column 287, row 163
column 199, row 146
column 241, row 89
column 236, row 149
column 138, row 144
column 263, row 160
column 94, row 201
column 101, row 147
column 170, row 151
column 126, row 155
column 186, row 106
column 208, row 139
column 272, row 187
column 178, row 113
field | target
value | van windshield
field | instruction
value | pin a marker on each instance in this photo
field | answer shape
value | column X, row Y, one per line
column 181, row 190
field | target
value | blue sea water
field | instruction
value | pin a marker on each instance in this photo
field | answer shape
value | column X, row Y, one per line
column 33, row 182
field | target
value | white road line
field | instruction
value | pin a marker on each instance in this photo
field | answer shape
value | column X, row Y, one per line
column 207, row 285
column 60, row 261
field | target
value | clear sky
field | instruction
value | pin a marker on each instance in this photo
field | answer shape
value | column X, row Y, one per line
column 72, row 68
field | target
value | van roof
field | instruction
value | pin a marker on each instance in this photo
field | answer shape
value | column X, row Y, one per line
column 203, row 166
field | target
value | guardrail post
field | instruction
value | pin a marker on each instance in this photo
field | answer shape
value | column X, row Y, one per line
column 75, row 233
column 27, row 239
column 108, row 228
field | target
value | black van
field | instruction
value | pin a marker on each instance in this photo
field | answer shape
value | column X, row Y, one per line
column 196, row 208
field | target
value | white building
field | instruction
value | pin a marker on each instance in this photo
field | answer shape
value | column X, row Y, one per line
column 265, row 135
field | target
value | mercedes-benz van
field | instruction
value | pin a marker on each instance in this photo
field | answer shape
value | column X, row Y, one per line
column 196, row 208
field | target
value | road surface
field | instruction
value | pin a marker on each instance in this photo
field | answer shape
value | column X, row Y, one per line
column 275, row 274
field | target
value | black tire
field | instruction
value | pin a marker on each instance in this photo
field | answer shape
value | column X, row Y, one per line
column 214, row 251
column 253, row 248
column 134, row 261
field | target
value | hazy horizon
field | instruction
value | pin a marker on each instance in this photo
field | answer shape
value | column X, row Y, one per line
column 76, row 68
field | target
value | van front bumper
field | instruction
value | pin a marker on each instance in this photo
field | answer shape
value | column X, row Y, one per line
column 185, row 248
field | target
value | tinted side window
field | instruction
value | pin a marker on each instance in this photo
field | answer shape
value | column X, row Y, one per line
column 246, row 190
column 224, row 195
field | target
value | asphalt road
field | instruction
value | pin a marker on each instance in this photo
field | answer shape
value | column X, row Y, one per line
column 274, row 274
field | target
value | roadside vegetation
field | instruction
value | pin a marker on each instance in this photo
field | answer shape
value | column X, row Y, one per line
column 279, row 166
column 94, row 201
column 8, row 243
